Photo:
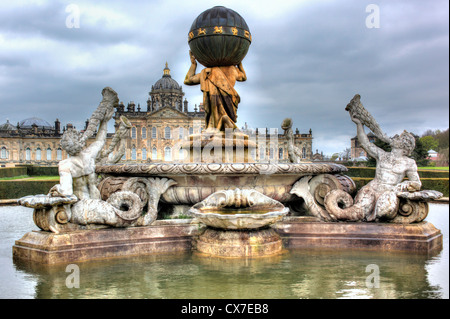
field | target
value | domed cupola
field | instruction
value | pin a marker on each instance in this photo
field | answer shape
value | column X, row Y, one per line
column 7, row 126
column 166, row 82
column 35, row 121
column 165, row 92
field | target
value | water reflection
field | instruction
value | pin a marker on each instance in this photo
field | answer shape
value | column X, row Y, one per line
column 293, row 274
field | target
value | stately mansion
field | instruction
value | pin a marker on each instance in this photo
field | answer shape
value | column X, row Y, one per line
column 156, row 134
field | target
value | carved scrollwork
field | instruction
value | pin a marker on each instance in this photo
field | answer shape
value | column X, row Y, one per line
column 411, row 212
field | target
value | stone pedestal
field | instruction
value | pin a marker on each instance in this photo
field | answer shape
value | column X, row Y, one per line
column 239, row 243
column 219, row 147
column 307, row 232
column 44, row 247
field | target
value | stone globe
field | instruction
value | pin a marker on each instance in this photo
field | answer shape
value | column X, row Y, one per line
column 219, row 37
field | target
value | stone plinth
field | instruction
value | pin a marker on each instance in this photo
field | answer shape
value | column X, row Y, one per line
column 307, row 232
column 239, row 243
column 49, row 248
column 183, row 235
column 219, row 147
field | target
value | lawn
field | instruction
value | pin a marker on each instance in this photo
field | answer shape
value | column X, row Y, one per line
column 445, row 168
column 30, row 178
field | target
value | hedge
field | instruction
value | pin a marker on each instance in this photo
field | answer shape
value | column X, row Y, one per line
column 18, row 189
column 437, row 184
column 13, row 171
column 370, row 172
column 33, row 170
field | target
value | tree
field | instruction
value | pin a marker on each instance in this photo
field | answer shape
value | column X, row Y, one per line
column 429, row 142
column 420, row 154
column 443, row 140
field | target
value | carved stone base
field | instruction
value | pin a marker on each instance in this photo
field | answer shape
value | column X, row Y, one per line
column 237, row 243
column 304, row 232
column 219, row 147
column 49, row 248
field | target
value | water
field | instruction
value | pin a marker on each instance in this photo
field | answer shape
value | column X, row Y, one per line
column 294, row 274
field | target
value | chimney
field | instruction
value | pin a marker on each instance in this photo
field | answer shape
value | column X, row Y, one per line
column 57, row 127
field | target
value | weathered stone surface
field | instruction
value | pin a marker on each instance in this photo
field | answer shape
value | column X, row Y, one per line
column 49, row 248
column 235, row 243
column 298, row 232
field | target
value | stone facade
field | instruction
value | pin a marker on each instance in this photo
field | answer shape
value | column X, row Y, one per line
column 156, row 133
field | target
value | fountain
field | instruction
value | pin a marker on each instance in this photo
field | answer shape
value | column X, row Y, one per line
column 240, row 208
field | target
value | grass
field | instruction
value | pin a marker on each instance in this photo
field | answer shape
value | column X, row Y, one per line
column 30, row 178
column 444, row 168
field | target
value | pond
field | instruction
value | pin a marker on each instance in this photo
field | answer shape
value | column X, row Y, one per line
column 295, row 274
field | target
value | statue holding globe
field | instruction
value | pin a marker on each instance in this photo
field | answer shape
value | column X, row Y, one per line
column 219, row 39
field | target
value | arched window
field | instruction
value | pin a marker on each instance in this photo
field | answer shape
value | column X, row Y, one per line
column 59, row 154
column 304, row 152
column 133, row 133
column 38, row 154
column 280, row 153
column 144, row 132
column 133, row 153
column 49, row 154
column 154, row 153
column 28, row 154
column 153, row 132
column 191, row 130
column 167, row 133
column 3, row 153
column 167, row 154
column 144, row 153
column 181, row 133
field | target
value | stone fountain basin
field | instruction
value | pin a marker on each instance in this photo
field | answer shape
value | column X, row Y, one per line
column 196, row 181
column 242, row 218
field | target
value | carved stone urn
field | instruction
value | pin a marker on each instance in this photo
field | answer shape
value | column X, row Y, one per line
column 238, row 224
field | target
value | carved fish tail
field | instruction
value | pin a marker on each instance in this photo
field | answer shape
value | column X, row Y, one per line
column 341, row 206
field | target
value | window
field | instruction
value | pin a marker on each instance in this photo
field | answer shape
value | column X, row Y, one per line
column 49, row 154
column 133, row 153
column 154, row 153
column 38, row 154
column 133, row 133
column 271, row 153
column 304, row 152
column 191, row 130
column 3, row 153
column 167, row 154
column 262, row 152
column 144, row 153
column 144, row 132
column 280, row 153
column 28, row 154
column 153, row 132
column 181, row 133
column 58, row 154
column 167, row 133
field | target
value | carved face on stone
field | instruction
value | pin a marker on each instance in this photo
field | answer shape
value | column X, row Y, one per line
column 405, row 142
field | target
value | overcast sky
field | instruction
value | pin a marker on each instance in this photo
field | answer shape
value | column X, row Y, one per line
column 307, row 60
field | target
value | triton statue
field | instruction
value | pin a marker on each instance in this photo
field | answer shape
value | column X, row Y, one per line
column 380, row 199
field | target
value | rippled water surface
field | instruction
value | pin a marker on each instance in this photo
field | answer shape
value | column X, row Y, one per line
column 295, row 274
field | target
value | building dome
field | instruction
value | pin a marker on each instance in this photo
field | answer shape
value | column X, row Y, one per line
column 40, row 123
column 166, row 82
column 7, row 126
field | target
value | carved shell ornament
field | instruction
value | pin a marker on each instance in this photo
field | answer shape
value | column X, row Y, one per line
column 227, row 210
